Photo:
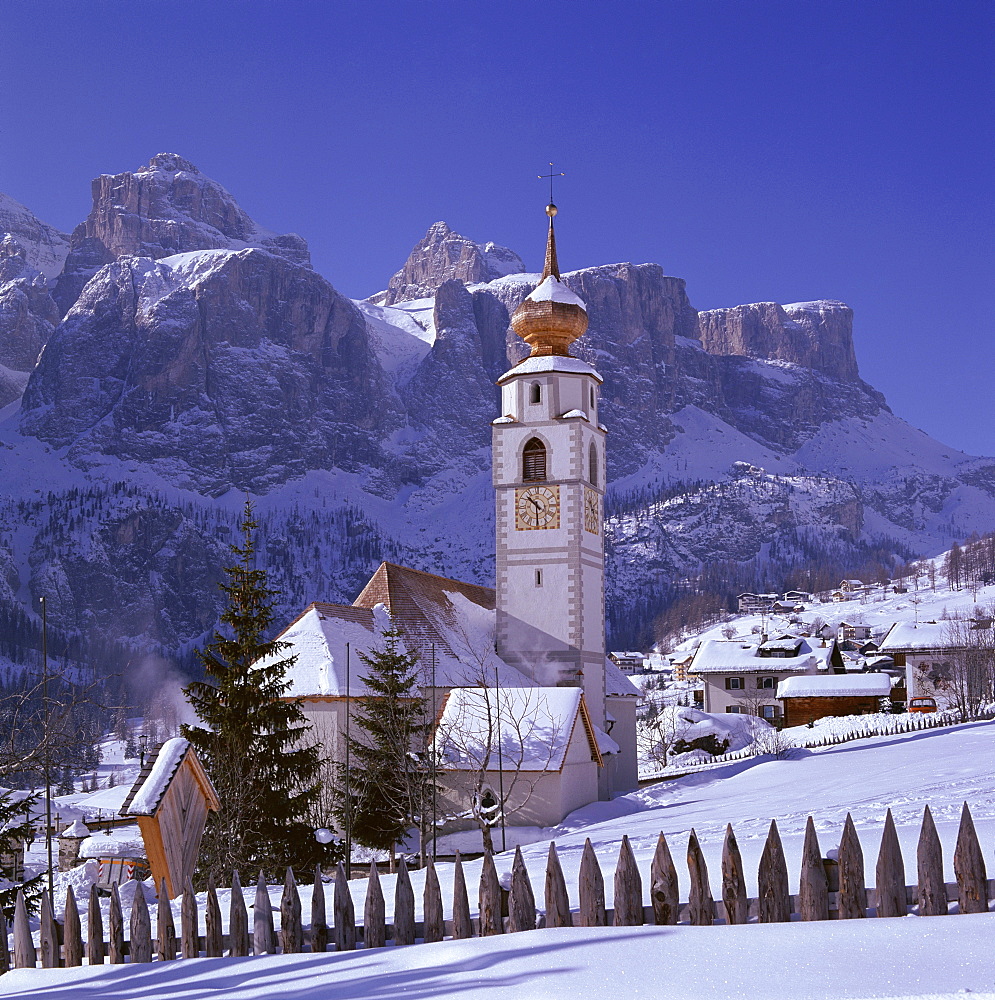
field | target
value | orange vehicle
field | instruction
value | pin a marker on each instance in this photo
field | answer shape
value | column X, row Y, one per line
column 922, row 705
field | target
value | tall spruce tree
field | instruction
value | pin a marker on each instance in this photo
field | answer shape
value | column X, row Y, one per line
column 383, row 792
column 254, row 743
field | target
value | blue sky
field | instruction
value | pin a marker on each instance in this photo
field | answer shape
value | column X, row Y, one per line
column 760, row 150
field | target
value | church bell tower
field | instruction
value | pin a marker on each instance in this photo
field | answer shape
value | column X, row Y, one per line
column 549, row 478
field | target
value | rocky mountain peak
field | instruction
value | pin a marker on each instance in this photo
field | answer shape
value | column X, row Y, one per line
column 44, row 246
column 442, row 255
column 816, row 335
column 159, row 210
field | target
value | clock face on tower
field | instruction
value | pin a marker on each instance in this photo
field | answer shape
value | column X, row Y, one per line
column 592, row 512
column 537, row 507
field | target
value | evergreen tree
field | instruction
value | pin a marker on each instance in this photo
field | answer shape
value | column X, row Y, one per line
column 254, row 743
column 388, row 778
column 15, row 828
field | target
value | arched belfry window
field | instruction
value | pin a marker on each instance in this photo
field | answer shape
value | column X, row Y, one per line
column 535, row 393
column 593, row 462
column 534, row 461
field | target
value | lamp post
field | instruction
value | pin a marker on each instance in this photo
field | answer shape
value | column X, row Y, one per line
column 143, row 746
column 48, row 748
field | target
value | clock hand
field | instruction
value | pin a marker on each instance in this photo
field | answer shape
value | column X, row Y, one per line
column 535, row 503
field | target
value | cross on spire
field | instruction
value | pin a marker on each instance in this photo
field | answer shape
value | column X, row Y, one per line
column 549, row 177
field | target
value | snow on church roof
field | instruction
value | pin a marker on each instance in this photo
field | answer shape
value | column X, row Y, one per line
column 540, row 364
column 535, row 726
column 551, row 289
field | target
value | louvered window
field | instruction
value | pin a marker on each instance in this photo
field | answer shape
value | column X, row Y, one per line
column 593, row 462
column 534, row 462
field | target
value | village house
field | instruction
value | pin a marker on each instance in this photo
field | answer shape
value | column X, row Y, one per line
column 853, row 632
column 926, row 651
column 743, row 677
column 754, row 603
column 628, row 661
column 797, row 597
column 807, row 698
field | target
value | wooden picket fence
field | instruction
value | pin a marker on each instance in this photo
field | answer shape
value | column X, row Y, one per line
column 827, row 890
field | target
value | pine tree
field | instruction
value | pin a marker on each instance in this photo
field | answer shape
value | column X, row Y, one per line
column 255, row 742
column 15, row 828
column 388, row 779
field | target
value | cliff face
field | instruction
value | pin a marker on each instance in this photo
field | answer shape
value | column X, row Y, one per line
column 165, row 208
column 220, row 369
column 28, row 316
column 816, row 335
column 45, row 248
column 443, row 255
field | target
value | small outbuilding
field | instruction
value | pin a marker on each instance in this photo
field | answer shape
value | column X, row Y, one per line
column 170, row 801
column 809, row 697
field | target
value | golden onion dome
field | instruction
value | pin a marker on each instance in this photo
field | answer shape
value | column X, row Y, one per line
column 552, row 317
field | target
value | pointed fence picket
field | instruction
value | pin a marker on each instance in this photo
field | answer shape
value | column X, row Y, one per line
column 818, row 898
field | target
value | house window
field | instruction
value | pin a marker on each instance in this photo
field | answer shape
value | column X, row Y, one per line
column 735, row 710
column 534, row 461
column 538, row 577
column 766, row 683
column 735, row 683
column 768, row 712
column 535, row 393
column 593, row 463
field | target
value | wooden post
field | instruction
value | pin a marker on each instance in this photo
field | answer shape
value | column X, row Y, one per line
column 48, row 937
column 404, row 906
column 115, row 930
column 890, row 873
column 214, row 946
column 291, row 931
column 491, row 921
column 263, row 937
column 733, row 880
column 238, row 920
column 462, row 925
column 969, row 867
column 94, row 929
column 700, row 907
column 929, row 862
column 435, row 927
column 772, row 880
column 344, row 913
column 664, row 889
column 141, row 929
column 591, row 890
column 319, row 922
column 4, row 949
column 374, row 912
column 189, row 934
column 165, row 928
column 813, row 888
column 72, row 932
column 521, row 901
column 852, row 894
column 24, row 946
column 628, row 888
column 557, row 901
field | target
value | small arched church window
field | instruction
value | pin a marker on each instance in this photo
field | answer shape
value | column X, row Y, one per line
column 535, row 393
column 534, row 461
column 592, row 397
column 593, row 462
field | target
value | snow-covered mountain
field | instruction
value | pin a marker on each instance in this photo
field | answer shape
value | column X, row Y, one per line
column 201, row 356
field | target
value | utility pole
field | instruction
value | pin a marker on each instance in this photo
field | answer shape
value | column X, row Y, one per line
column 48, row 746
column 348, row 776
column 497, row 694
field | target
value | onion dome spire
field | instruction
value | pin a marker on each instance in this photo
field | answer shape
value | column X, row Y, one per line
column 552, row 317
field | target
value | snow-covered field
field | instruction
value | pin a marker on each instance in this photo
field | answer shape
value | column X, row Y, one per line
column 914, row 957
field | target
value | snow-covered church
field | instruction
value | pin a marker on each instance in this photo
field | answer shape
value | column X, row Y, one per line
column 528, row 709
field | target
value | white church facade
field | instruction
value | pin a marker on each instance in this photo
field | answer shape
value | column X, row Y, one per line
column 516, row 678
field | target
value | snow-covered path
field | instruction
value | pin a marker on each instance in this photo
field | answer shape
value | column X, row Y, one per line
column 933, row 958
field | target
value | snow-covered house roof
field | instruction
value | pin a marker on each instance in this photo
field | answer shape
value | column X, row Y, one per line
column 162, row 766
column 783, row 644
column 907, row 637
column 731, row 655
column 527, row 728
column 835, row 686
column 120, row 842
column 617, row 685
